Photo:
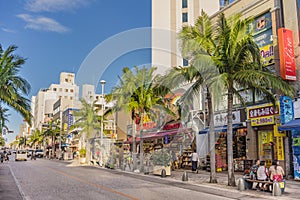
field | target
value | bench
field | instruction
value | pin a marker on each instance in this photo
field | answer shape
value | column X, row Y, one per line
column 249, row 184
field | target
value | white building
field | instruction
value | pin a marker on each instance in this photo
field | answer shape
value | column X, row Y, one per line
column 168, row 18
column 42, row 103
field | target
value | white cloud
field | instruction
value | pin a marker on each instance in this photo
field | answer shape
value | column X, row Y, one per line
column 8, row 30
column 54, row 5
column 42, row 23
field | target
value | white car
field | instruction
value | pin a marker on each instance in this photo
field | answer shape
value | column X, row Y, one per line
column 21, row 155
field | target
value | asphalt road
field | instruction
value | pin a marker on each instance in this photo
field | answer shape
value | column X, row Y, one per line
column 44, row 179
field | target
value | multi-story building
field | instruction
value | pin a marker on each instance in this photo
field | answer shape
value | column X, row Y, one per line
column 42, row 104
column 168, row 18
column 276, row 31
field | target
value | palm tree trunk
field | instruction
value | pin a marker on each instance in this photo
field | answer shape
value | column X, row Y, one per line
column 141, row 144
column 213, row 178
column 134, row 144
column 231, row 179
column 88, row 151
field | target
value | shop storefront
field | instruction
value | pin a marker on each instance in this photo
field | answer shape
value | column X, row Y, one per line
column 265, row 119
column 239, row 141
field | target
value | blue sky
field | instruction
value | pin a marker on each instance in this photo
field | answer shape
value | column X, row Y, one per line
column 58, row 35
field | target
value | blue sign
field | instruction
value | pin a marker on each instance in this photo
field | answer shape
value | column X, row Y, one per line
column 286, row 109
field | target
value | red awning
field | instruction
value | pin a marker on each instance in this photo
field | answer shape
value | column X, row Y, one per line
column 159, row 134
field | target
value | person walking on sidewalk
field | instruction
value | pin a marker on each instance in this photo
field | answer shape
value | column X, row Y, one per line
column 195, row 159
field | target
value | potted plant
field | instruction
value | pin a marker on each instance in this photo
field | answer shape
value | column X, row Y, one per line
column 82, row 155
column 161, row 160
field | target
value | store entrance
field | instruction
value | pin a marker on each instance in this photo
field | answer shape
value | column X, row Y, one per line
column 266, row 146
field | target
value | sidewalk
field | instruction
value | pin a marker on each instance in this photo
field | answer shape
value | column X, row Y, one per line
column 8, row 186
column 292, row 190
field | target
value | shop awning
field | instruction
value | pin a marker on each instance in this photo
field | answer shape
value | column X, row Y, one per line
column 161, row 134
column 291, row 125
column 219, row 129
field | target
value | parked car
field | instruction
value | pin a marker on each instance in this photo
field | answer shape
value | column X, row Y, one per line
column 39, row 153
column 21, row 155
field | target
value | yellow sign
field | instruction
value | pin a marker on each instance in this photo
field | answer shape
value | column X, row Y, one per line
column 277, row 133
column 264, row 114
column 279, row 148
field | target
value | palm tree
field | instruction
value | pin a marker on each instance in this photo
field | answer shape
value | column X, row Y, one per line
column 237, row 57
column 3, row 118
column 35, row 138
column 137, row 94
column 88, row 121
column 52, row 131
column 12, row 86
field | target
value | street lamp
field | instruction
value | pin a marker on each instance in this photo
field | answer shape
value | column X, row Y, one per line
column 102, row 118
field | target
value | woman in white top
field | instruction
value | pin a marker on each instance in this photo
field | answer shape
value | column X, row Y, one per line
column 262, row 174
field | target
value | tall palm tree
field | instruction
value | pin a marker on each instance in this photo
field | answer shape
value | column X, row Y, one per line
column 3, row 118
column 35, row 138
column 13, row 88
column 237, row 57
column 88, row 120
column 137, row 94
column 51, row 131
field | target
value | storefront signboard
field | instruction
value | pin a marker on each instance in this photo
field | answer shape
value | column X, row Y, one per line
column 262, row 31
column 277, row 133
column 279, row 148
column 221, row 118
column 286, row 109
column 263, row 114
column 287, row 54
column 296, row 105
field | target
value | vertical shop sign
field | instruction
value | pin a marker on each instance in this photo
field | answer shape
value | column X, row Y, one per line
column 286, row 109
column 262, row 31
column 287, row 55
column 279, row 148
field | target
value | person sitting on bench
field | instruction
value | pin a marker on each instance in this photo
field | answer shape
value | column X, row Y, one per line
column 262, row 175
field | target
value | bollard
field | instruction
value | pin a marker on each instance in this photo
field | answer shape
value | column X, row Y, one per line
column 276, row 189
column 163, row 173
column 185, row 176
column 241, row 184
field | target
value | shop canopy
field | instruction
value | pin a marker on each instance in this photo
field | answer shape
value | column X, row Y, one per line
column 291, row 125
column 159, row 134
column 219, row 129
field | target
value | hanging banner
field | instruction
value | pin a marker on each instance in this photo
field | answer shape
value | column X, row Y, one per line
column 287, row 55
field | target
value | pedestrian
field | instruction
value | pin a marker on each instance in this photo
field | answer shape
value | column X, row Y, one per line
column 195, row 159
column 262, row 175
column 276, row 172
column 253, row 172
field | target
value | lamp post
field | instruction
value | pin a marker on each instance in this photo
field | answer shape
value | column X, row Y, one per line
column 102, row 118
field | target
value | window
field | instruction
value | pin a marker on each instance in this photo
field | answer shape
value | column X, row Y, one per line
column 66, row 90
column 60, row 89
column 71, row 98
column 71, row 90
column 184, row 4
column 184, row 17
column 185, row 62
column 54, row 89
